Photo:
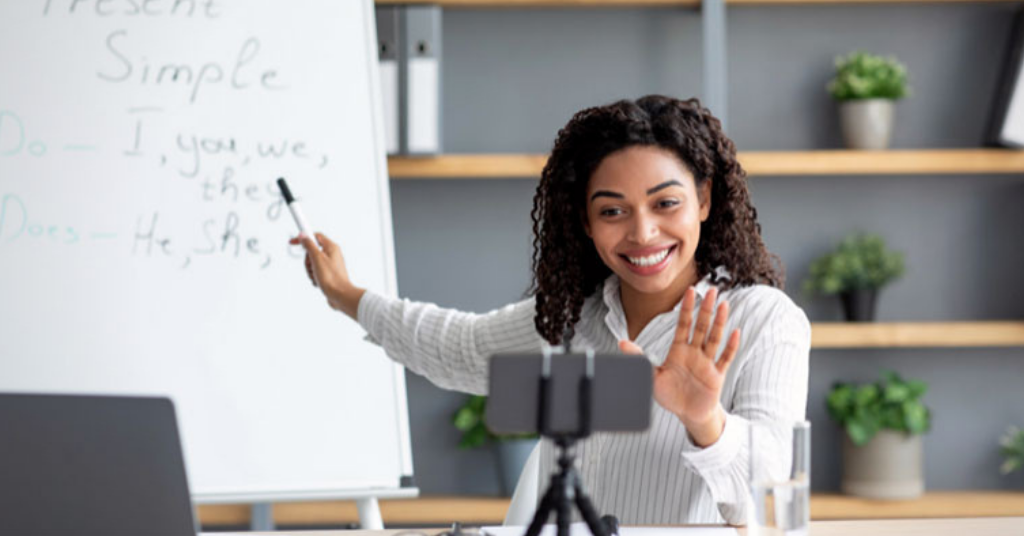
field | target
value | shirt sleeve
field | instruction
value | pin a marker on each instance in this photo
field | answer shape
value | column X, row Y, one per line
column 771, row 385
column 449, row 347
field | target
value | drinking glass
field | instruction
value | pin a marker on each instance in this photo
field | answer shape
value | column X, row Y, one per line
column 780, row 478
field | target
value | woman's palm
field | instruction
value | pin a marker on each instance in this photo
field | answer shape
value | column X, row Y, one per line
column 689, row 382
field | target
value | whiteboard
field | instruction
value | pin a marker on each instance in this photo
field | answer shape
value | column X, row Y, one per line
column 143, row 244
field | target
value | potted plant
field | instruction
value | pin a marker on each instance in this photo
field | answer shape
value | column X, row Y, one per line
column 1012, row 447
column 512, row 450
column 883, row 424
column 856, row 270
column 867, row 87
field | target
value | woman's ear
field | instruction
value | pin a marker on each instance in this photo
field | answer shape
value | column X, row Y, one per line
column 705, row 200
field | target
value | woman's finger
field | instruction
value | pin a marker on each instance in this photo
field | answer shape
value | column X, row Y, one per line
column 316, row 257
column 707, row 307
column 685, row 318
column 309, row 271
column 730, row 351
column 630, row 347
column 717, row 330
column 329, row 247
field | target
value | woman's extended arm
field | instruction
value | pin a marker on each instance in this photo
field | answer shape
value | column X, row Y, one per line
column 448, row 347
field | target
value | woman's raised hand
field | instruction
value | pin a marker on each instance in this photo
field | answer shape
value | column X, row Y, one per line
column 689, row 382
column 325, row 266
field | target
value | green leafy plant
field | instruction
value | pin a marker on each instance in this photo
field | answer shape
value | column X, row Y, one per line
column 860, row 261
column 469, row 419
column 891, row 403
column 861, row 75
column 1012, row 446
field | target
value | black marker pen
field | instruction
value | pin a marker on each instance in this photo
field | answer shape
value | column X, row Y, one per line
column 293, row 207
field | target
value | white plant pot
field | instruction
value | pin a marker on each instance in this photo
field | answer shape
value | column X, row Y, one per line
column 890, row 466
column 512, row 455
column 866, row 123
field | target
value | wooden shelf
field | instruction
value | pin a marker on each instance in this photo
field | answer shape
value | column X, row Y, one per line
column 916, row 334
column 650, row 3
column 543, row 3
column 893, row 162
column 467, row 166
column 933, row 504
column 422, row 510
column 491, row 510
column 757, row 163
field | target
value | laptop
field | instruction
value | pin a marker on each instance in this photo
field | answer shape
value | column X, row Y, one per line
column 91, row 465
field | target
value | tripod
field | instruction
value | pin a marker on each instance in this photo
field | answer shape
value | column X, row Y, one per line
column 566, row 487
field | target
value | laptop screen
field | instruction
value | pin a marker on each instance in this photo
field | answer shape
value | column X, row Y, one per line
column 91, row 465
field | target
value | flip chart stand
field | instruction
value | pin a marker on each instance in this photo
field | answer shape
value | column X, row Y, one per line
column 261, row 517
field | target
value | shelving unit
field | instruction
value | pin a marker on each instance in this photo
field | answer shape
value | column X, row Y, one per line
column 815, row 165
column 756, row 163
column 825, row 335
column 491, row 510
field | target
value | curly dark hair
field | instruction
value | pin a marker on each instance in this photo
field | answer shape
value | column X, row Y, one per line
column 566, row 265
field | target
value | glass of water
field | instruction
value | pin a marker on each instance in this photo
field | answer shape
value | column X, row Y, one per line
column 780, row 478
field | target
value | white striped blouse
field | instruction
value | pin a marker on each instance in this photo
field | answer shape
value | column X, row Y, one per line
column 655, row 477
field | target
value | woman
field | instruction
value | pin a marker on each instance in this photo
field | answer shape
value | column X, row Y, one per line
column 644, row 240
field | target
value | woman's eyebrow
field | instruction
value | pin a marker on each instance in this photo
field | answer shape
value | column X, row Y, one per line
column 663, row 185
column 606, row 193
column 615, row 195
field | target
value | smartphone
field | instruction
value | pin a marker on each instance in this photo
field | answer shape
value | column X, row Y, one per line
column 620, row 393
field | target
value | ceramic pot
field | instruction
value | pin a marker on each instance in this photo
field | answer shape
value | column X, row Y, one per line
column 512, row 455
column 866, row 123
column 859, row 305
column 890, row 466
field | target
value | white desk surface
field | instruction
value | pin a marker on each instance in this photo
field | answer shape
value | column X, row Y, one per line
column 987, row 526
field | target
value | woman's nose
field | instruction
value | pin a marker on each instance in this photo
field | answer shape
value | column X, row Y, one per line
column 645, row 228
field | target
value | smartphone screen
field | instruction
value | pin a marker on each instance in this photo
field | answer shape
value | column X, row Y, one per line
column 620, row 393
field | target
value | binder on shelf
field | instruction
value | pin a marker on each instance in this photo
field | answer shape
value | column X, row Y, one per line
column 388, row 50
column 422, row 95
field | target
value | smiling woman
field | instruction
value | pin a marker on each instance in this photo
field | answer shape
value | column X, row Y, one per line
column 645, row 241
column 640, row 145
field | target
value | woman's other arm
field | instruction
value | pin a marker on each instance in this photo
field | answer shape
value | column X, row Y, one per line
column 771, row 386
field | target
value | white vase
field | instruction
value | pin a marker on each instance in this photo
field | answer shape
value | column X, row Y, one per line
column 512, row 455
column 890, row 466
column 866, row 123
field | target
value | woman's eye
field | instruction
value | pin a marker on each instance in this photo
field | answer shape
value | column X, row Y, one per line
column 610, row 211
column 668, row 203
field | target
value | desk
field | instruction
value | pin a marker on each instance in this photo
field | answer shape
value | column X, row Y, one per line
column 989, row 526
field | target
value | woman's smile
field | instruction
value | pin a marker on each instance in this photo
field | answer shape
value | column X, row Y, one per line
column 649, row 261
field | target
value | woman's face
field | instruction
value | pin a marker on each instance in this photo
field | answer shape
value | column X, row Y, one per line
column 644, row 216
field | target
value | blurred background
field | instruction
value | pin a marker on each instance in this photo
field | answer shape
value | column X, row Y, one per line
column 512, row 77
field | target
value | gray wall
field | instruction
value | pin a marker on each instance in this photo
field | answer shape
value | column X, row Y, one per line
column 512, row 78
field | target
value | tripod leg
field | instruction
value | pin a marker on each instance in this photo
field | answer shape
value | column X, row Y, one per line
column 586, row 507
column 564, row 507
column 543, row 511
